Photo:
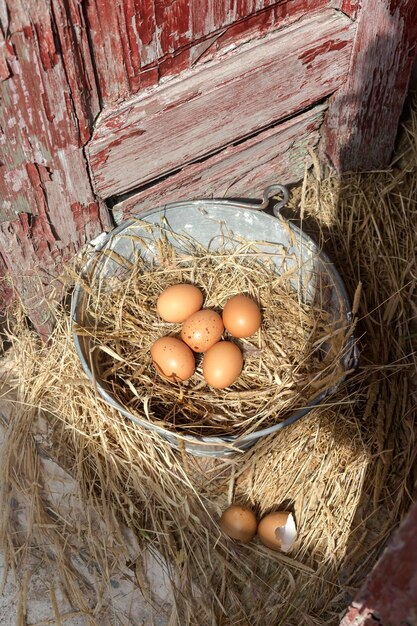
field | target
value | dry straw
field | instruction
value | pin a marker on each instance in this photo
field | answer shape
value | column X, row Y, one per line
column 295, row 355
column 346, row 470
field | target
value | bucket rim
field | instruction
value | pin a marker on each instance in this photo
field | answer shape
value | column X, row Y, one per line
column 350, row 361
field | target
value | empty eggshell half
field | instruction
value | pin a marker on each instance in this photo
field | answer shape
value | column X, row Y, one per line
column 277, row 531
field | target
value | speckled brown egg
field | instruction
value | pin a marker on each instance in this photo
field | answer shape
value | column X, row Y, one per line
column 222, row 364
column 172, row 359
column 178, row 302
column 202, row 330
column 241, row 316
column 239, row 522
column 277, row 530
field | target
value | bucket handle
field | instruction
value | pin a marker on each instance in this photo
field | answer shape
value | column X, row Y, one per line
column 270, row 192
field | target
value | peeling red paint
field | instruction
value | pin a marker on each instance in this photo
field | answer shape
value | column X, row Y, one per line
column 6, row 53
column 46, row 44
column 77, row 62
column 49, row 103
column 390, row 591
column 181, row 121
column 351, row 7
column 137, row 42
column 173, row 22
column 262, row 22
column 149, row 77
column 310, row 55
column 361, row 126
column 279, row 153
column 174, row 64
column 28, row 33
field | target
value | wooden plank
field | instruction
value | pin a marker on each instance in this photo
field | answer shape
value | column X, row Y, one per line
column 135, row 43
column 350, row 7
column 362, row 122
column 226, row 101
column 279, row 154
column 259, row 24
column 48, row 209
column 107, row 32
column 77, row 62
column 389, row 595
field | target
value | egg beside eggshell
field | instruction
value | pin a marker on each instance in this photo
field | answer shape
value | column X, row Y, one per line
column 222, row 364
column 176, row 303
column 202, row 330
column 173, row 359
column 239, row 522
column 277, row 531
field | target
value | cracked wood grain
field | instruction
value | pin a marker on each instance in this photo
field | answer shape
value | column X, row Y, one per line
column 362, row 122
column 49, row 101
column 389, row 595
column 279, row 154
column 183, row 120
column 135, row 43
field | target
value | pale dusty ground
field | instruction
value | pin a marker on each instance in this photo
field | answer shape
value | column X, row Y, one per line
column 39, row 608
column 127, row 606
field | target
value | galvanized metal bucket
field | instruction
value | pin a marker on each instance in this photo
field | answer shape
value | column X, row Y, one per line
column 205, row 221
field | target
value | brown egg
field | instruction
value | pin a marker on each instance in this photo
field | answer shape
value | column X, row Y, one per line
column 222, row 364
column 202, row 330
column 239, row 522
column 172, row 358
column 241, row 316
column 277, row 531
column 178, row 302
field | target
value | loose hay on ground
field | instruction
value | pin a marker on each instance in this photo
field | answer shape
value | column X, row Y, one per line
column 346, row 469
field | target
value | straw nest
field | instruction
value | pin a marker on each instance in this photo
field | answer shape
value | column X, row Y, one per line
column 296, row 354
column 346, row 470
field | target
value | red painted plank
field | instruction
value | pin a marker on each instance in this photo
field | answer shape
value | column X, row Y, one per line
column 389, row 595
column 207, row 16
column 137, row 34
column 276, row 155
column 48, row 208
column 213, row 106
column 70, row 26
column 267, row 19
column 261, row 23
column 107, row 48
column 351, row 7
column 129, row 37
column 173, row 23
column 6, row 53
column 362, row 123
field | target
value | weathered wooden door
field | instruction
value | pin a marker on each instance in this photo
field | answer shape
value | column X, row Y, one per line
column 115, row 106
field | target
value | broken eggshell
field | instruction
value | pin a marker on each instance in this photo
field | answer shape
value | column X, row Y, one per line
column 277, row 531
